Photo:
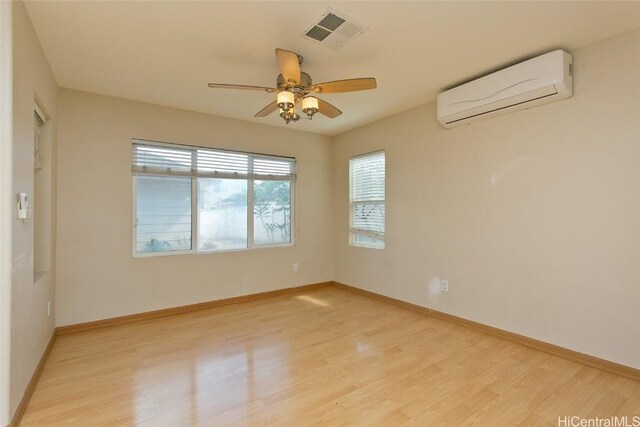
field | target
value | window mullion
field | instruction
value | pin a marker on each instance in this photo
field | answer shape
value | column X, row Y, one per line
column 195, row 213
column 250, row 205
column 292, row 210
column 134, row 219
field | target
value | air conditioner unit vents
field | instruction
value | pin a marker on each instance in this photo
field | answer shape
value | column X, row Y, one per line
column 334, row 30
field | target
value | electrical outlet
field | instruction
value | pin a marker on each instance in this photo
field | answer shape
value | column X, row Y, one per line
column 49, row 308
column 444, row 286
column 295, row 266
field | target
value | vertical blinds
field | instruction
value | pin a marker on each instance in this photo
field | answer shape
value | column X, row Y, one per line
column 166, row 159
column 368, row 195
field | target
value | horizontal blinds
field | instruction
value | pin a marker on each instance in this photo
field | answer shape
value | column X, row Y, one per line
column 165, row 159
column 368, row 195
column 263, row 166
column 208, row 161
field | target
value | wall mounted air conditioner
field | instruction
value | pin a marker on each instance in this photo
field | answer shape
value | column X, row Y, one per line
column 543, row 79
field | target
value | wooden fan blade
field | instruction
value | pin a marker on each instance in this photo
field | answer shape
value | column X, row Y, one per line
column 327, row 109
column 349, row 85
column 267, row 110
column 243, row 87
column 289, row 65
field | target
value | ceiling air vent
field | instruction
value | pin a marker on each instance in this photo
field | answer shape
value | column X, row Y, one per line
column 334, row 30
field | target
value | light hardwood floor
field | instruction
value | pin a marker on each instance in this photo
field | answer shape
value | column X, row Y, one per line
column 325, row 357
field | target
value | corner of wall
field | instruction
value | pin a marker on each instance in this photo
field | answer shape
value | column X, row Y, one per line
column 6, row 204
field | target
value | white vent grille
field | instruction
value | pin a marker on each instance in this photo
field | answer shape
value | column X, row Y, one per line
column 334, row 30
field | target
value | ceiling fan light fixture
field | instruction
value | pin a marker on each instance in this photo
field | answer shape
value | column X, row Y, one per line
column 286, row 100
column 289, row 115
column 310, row 106
column 294, row 86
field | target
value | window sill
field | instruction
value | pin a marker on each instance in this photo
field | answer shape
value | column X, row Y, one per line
column 364, row 245
column 193, row 252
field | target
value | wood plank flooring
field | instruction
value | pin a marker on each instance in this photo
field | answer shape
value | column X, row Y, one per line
column 327, row 357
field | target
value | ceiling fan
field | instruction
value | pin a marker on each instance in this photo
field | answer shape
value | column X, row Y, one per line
column 294, row 87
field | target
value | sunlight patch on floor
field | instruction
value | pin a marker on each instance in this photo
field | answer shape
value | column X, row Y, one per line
column 313, row 300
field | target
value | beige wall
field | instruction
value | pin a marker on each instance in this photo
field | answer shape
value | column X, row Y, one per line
column 533, row 217
column 6, row 205
column 31, row 326
column 97, row 276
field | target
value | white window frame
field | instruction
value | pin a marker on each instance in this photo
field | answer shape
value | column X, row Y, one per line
column 352, row 231
column 195, row 224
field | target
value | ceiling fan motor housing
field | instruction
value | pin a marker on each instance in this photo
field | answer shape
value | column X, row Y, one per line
column 303, row 86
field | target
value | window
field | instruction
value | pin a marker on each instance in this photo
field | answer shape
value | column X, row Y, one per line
column 191, row 199
column 367, row 200
column 163, row 214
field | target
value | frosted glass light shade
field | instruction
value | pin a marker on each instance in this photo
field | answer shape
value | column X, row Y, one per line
column 285, row 100
column 309, row 103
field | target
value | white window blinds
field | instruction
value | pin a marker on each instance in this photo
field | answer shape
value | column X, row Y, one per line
column 166, row 159
column 368, row 198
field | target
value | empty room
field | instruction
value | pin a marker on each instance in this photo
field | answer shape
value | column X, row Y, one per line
column 316, row 213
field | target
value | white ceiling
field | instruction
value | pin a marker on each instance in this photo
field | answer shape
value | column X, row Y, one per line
column 166, row 52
